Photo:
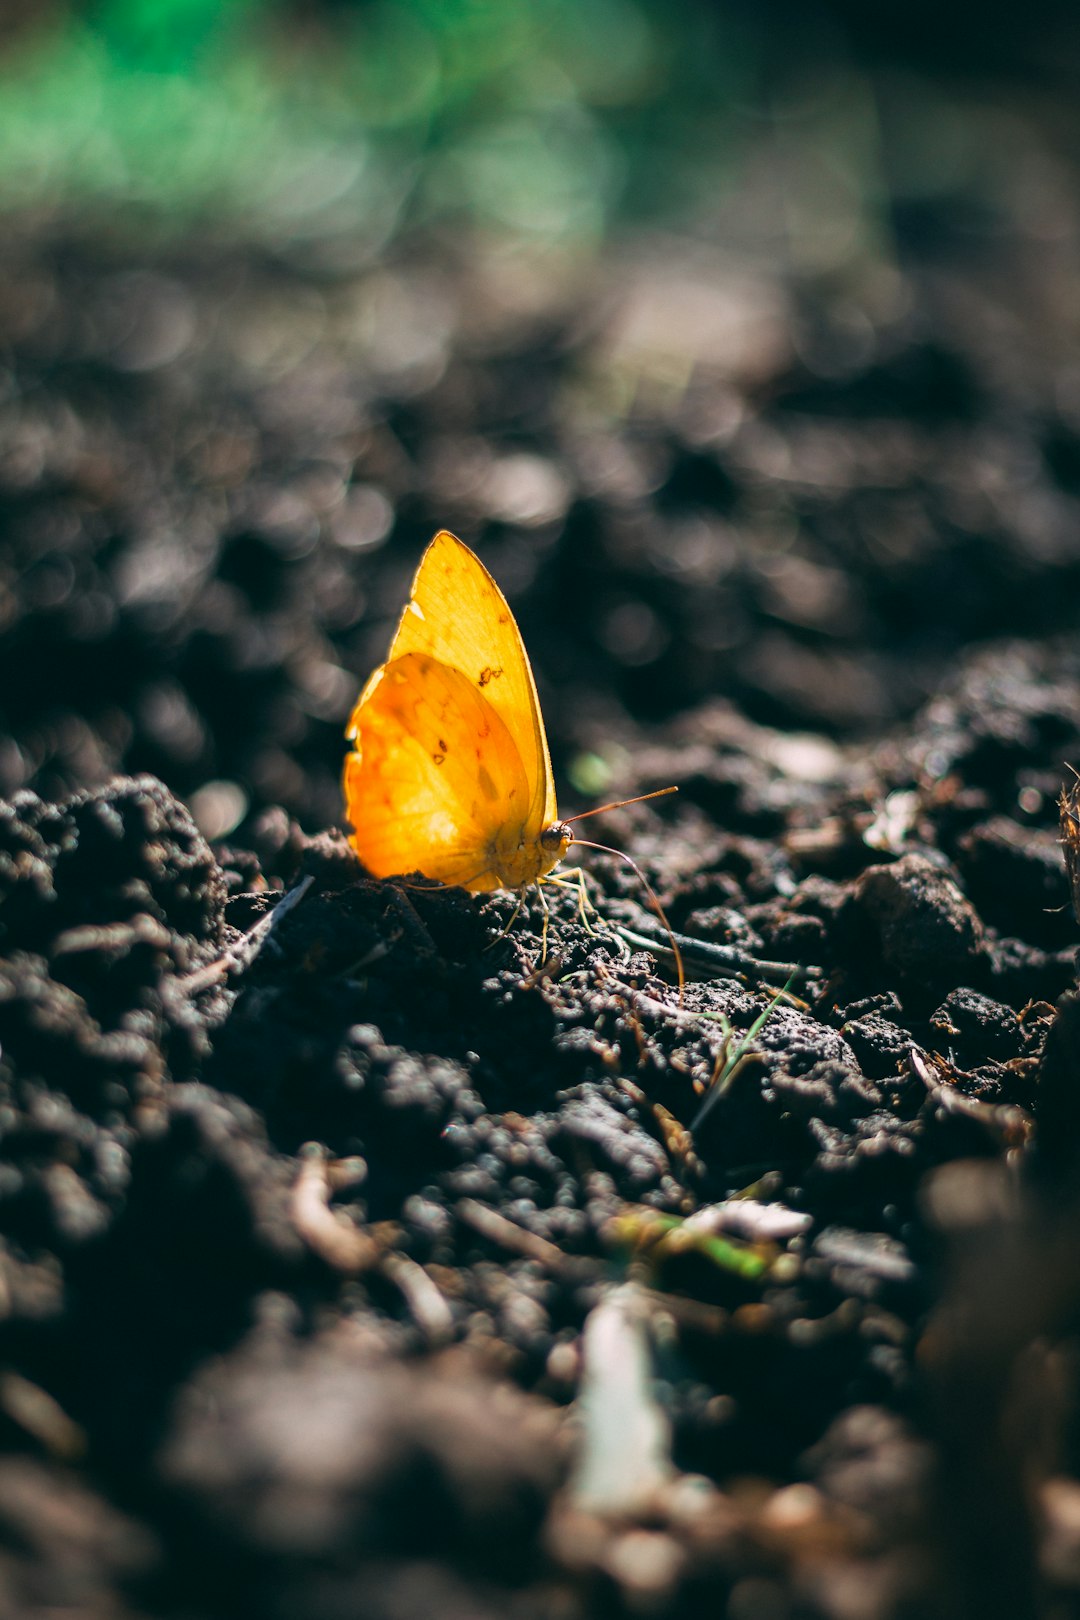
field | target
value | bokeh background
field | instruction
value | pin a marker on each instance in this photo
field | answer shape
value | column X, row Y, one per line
column 742, row 339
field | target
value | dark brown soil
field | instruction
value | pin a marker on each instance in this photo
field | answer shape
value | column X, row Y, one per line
column 305, row 1203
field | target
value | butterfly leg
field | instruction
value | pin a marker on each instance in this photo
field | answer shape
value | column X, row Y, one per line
column 578, row 882
column 585, row 905
column 547, row 919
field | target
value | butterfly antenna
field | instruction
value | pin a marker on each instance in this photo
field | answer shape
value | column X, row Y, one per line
column 649, row 890
column 658, row 793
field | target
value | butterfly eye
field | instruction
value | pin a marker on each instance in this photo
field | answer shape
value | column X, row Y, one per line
column 556, row 837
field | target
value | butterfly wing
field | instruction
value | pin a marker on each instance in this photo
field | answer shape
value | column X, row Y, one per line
column 457, row 614
column 450, row 774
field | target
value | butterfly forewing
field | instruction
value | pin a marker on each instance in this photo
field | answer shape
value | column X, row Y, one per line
column 457, row 614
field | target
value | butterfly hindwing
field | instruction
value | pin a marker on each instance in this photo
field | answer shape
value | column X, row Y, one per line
column 437, row 785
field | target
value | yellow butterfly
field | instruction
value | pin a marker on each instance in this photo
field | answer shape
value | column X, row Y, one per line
column 449, row 773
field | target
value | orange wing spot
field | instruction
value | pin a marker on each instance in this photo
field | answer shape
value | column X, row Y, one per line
column 488, row 674
column 438, row 759
column 486, row 785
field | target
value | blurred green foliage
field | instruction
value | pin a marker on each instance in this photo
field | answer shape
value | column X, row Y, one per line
column 776, row 127
column 530, row 115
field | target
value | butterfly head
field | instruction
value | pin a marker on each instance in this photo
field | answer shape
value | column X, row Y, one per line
column 555, row 839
